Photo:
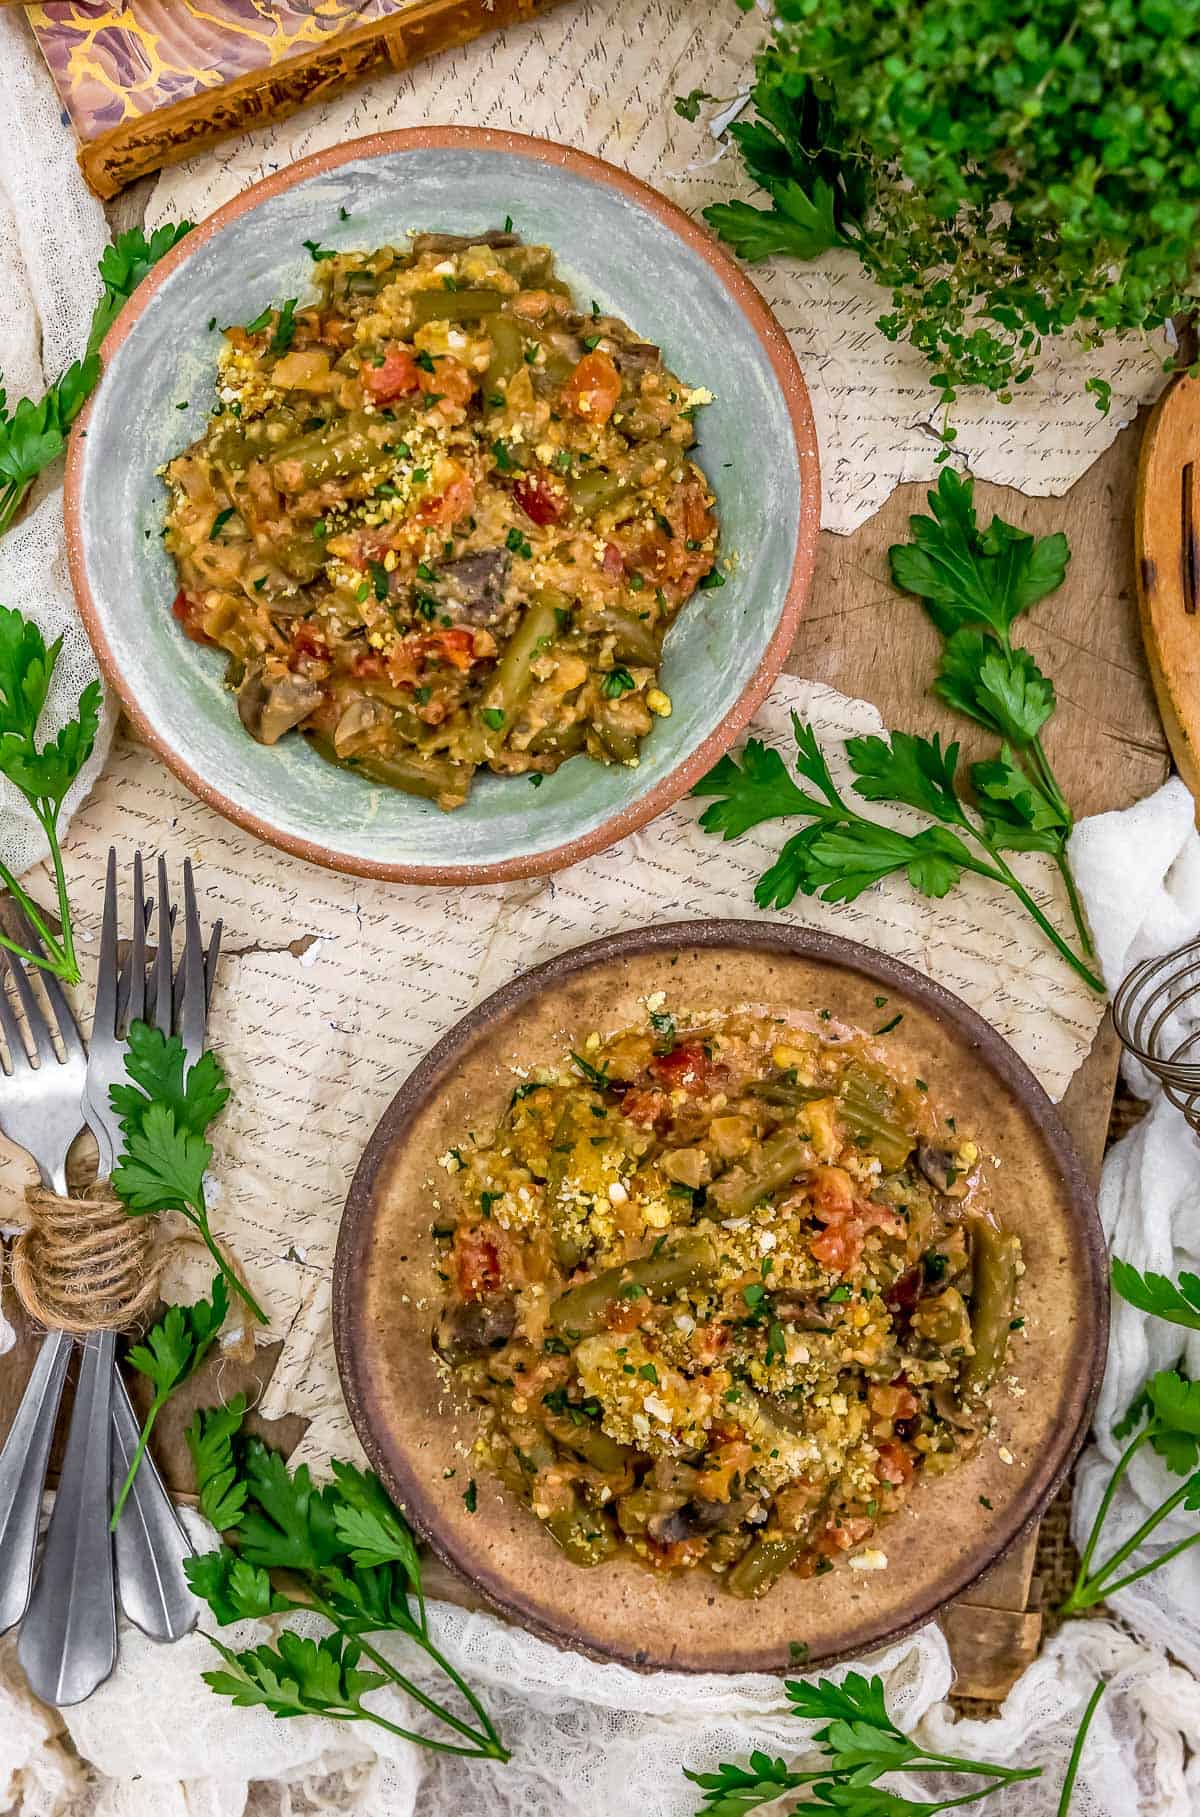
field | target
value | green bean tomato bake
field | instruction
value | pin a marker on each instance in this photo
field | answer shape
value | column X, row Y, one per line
column 442, row 517
column 720, row 1291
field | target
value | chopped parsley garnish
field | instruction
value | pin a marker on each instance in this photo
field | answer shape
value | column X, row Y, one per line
column 536, row 780
column 887, row 1027
column 424, row 360
column 632, row 1290
column 220, row 521
column 285, row 328
column 519, row 543
column 502, row 457
column 320, row 529
column 714, row 578
column 592, row 341
column 379, row 579
column 494, row 718
column 838, row 1296
column 616, row 683
column 471, row 1497
column 425, row 572
column 317, row 252
column 648, row 1373
column 259, row 322
column 508, row 223
column 776, row 1342
column 595, row 1075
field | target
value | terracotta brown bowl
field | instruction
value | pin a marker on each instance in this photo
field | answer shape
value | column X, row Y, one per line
column 418, row 1433
column 618, row 242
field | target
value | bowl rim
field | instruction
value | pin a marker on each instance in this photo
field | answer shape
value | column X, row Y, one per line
column 1089, row 1352
column 763, row 325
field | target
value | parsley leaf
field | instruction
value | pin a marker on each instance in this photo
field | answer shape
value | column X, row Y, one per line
column 913, row 771
column 164, row 1156
column 1178, row 1303
column 758, row 789
column 1002, row 689
column 210, row 1438
column 801, row 222
column 284, row 329
column 173, row 1349
column 688, row 106
column 733, row 1790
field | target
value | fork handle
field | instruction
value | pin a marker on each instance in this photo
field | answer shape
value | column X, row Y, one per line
column 151, row 1545
column 68, row 1642
column 23, row 1464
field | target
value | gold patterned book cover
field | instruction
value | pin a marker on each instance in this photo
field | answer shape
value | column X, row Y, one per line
column 150, row 82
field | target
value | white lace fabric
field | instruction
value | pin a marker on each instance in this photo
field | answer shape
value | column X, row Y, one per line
column 588, row 1740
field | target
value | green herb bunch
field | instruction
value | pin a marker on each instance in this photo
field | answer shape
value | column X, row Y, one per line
column 1007, row 173
column 166, row 1111
column 860, row 1744
column 342, row 1551
column 34, row 433
column 974, row 585
column 1165, row 1417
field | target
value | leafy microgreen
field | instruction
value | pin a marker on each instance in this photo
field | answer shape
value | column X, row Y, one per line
column 172, row 1350
column 165, row 1113
column 284, row 329
column 342, row 1550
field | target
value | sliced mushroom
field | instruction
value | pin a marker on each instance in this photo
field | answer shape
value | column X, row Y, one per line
column 638, row 356
column 271, row 700
column 475, row 1327
column 943, row 1169
column 802, row 1310
column 459, row 242
column 950, row 1408
column 360, row 717
column 474, row 584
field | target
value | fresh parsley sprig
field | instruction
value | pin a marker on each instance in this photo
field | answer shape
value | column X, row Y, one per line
column 34, row 432
column 974, row 585
column 860, row 1743
column 1166, row 1417
column 172, row 1350
column 841, row 852
column 344, row 1551
column 165, row 1113
column 43, row 776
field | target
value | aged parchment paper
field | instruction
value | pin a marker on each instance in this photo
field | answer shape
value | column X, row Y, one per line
column 332, row 988
column 602, row 75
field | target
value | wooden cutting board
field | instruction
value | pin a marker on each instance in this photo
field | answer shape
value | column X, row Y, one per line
column 1168, row 567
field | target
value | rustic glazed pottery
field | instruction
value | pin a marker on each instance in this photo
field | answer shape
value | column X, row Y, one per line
column 615, row 240
column 418, row 1432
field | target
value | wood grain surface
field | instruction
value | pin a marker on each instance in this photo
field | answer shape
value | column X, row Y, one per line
column 1109, row 749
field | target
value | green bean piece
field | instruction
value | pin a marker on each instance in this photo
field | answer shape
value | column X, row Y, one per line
column 508, row 352
column 634, row 640
column 616, row 741
column 591, row 492
column 514, row 674
column 300, row 556
column 586, row 1538
column 568, row 1251
column 785, row 1093
column 416, row 773
column 778, row 1160
column 995, row 1257
column 585, row 1308
column 530, row 265
column 593, row 1445
column 764, row 1564
column 876, row 1120
column 334, row 452
column 453, row 305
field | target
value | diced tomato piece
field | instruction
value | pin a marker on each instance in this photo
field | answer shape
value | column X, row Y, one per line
column 476, row 1261
column 644, row 1107
column 623, row 1315
column 540, row 500
column 449, row 379
column 686, row 1068
column 839, row 1536
column 398, row 375
column 455, row 647
column 832, row 1194
column 453, row 502
column 368, row 663
column 186, row 609
column 614, row 562
column 839, row 1248
column 593, row 388
column 895, row 1463
column 308, row 640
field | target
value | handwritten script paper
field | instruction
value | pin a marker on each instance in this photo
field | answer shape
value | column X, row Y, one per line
column 332, row 988
column 602, row 75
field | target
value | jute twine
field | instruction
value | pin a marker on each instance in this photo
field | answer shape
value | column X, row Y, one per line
column 83, row 1264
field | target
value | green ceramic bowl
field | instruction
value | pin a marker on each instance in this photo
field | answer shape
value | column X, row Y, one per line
column 616, row 241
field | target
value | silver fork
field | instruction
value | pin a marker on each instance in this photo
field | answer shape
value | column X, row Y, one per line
column 39, row 1112
column 68, row 1642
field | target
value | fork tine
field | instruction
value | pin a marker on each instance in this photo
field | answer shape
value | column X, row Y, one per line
column 163, row 972
column 193, row 1010
column 18, row 1057
column 35, row 1018
column 210, row 965
column 105, row 1018
column 137, row 948
column 64, row 1015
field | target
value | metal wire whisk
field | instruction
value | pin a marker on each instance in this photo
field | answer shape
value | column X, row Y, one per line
column 1144, row 1012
